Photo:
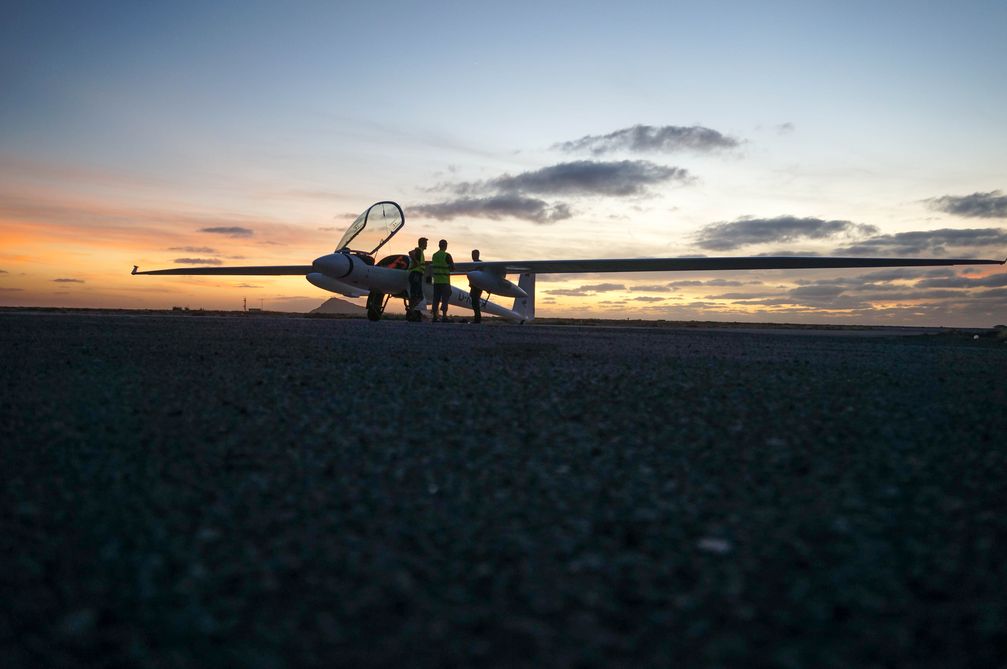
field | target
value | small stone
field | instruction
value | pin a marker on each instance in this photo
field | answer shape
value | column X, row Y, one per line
column 78, row 623
column 714, row 545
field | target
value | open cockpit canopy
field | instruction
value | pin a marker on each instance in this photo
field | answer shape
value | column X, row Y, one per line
column 381, row 221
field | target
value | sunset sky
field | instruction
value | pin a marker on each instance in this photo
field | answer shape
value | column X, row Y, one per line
column 169, row 134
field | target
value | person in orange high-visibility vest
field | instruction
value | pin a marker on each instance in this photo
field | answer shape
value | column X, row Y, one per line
column 442, row 264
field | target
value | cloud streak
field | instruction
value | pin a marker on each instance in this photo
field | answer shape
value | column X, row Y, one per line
column 66, row 280
column 746, row 231
column 193, row 249
column 976, row 205
column 229, row 231
column 196, row 261
column 651, row 139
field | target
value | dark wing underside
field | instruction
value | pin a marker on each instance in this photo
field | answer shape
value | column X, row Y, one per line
column 707, row 264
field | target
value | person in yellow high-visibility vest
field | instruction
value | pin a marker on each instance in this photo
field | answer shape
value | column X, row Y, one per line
column 417, row 265
column 442, row 265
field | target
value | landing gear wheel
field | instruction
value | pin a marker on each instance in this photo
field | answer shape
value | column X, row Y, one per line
column 413, row 316
column 375, row 306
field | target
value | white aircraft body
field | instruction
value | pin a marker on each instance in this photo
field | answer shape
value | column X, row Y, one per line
column 356, row 273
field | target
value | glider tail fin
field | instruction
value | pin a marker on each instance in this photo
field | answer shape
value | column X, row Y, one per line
column 525, row 306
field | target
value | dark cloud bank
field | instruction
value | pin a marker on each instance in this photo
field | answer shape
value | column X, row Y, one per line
column 520, row 196
column 523, row 195
column 863, row 240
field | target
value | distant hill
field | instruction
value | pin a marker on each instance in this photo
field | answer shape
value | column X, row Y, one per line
column 334, row 305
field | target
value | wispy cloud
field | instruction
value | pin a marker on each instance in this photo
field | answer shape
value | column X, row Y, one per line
column 745, row 231
column 68, row 280
column 230, row 231
column 728, row 282
column 196, row 261
column 588, row 290
column 992, row 281
column 604, row 287
column 903, row 273
column 648, row 138
column 976, row 205
column 193, row 249
column 569, row 292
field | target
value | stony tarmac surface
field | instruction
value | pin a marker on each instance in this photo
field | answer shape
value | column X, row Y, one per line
column 197, row 491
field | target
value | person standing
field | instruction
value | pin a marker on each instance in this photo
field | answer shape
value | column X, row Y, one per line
column 476, row 294
column 417, row 265
column 442, row 264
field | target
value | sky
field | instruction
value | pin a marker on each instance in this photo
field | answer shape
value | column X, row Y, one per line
column 227, row 133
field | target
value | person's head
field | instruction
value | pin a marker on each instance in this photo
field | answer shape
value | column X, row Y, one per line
column 443, row 244
column 422, row 243
column 475, row 254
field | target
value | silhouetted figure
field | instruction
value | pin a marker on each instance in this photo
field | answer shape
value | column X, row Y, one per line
column 442, row 264
column 476, row 294
column 417, row 265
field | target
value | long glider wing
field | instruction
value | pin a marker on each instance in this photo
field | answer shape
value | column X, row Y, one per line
column 264, row 270
column 708, row 264
column 613, row 265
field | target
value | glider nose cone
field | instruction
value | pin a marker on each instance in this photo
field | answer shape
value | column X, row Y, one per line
column 336, row 265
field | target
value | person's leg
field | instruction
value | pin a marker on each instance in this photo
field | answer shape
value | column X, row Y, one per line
column 437, row 301
column 442, row 292
column 415, row 289
column 476, row 297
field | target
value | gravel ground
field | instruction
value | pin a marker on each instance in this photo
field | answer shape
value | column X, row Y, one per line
column 195, row 491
